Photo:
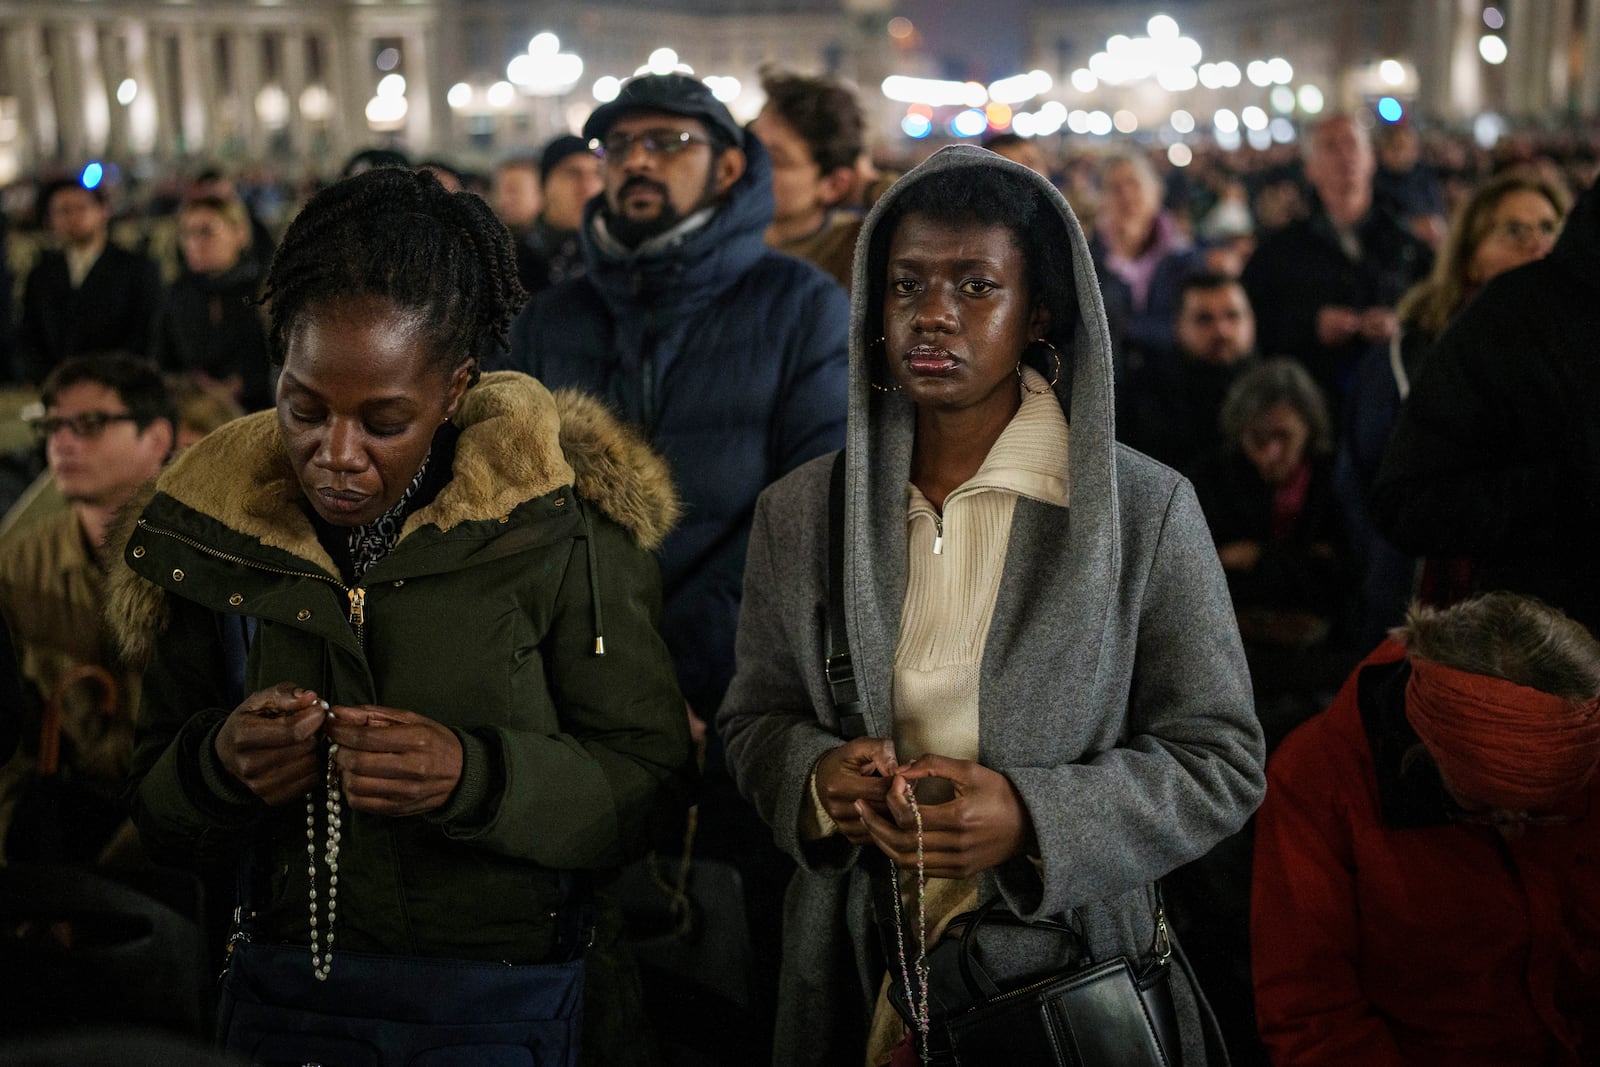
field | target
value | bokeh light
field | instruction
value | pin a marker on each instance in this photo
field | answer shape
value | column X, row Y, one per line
column 501, row 94
column 969, row 123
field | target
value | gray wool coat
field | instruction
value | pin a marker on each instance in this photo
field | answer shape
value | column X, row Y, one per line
column 1113, row 691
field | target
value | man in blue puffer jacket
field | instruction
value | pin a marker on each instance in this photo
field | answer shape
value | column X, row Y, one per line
column 731, row 357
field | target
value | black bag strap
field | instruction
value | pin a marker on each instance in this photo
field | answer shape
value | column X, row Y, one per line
column 838, row 667
column 980, row 985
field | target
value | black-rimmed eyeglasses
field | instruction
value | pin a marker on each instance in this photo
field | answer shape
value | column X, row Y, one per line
column 87, row 424
column 663, row 142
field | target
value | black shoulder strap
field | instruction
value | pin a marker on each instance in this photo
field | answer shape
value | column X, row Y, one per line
column 838, row 668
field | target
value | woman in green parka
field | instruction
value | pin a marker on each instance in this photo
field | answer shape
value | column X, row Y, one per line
column 408, row 620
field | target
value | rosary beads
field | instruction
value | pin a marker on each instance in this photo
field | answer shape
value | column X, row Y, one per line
column 916, row 994
column 322, row 961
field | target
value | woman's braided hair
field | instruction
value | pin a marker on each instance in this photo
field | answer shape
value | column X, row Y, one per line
column 396, row 234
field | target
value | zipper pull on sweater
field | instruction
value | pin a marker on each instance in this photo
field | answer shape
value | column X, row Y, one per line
column 938, row 535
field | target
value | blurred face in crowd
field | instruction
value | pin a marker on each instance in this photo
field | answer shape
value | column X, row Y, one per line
column 1025, row 152
column 1522, row 228
column 661, row 168
column 1275, row 443
column 106, row 457
column 802, row 193
column 1340, row 165
column 1215, row 325
column 572, row 183
column 76, row 218
column 1129, row 197
column 516, row 195
column 211, row 243
column 1400, row 151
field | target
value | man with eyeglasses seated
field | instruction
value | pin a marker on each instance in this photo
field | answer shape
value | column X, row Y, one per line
column 107, row 429
column 730, row 356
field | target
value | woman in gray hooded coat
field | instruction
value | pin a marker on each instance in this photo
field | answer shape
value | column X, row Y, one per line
column 1068, row 698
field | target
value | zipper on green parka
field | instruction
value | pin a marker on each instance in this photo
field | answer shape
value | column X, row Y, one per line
column 356, row 595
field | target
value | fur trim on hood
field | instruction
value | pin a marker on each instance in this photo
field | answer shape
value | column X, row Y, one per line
column 518, row 442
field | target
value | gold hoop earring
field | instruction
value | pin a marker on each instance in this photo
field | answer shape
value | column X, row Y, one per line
column 875, row 385
column 1056, row 377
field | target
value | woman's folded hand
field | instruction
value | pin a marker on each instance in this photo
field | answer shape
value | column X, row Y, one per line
column 857, row 772
column 982, row 826
column 393, row 762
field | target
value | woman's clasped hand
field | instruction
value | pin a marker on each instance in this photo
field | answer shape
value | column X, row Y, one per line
column 982, row 825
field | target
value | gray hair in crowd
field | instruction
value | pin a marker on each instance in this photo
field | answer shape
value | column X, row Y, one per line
column 1509, row 636
column 1262, row 388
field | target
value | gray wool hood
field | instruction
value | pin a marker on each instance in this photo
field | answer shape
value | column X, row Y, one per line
column 882, row 429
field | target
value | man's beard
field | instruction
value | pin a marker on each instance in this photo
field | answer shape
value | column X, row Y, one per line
column 634, row 232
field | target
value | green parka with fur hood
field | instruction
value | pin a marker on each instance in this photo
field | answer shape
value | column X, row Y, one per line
column 488, row 616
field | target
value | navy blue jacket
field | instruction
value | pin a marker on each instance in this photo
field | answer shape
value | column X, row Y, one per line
column 732, row 358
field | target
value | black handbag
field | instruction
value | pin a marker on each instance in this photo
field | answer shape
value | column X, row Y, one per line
column 1107, row 1014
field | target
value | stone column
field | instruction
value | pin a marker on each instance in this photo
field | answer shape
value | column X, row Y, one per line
column 292, row 77
column 1526, row 74
column 1558, row 49
column 25, row 54
column 144, row 114
column 196, row 89
column 1589, row 92
column 356, row 86
column 67, row 88
column 419, row 91
column 1466, row 65
column 163, row 90
column 246, row 47
column 1433, row 27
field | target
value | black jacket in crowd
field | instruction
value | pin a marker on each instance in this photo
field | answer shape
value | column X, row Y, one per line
column 1496, row 456
column 113, row 311
column 1172, row 407
column 213, row 325
column 1302, row 268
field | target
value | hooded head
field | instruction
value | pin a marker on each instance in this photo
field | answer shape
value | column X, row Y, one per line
column 964, row 184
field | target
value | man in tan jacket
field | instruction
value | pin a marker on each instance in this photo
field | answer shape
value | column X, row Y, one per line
column 107, row 428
